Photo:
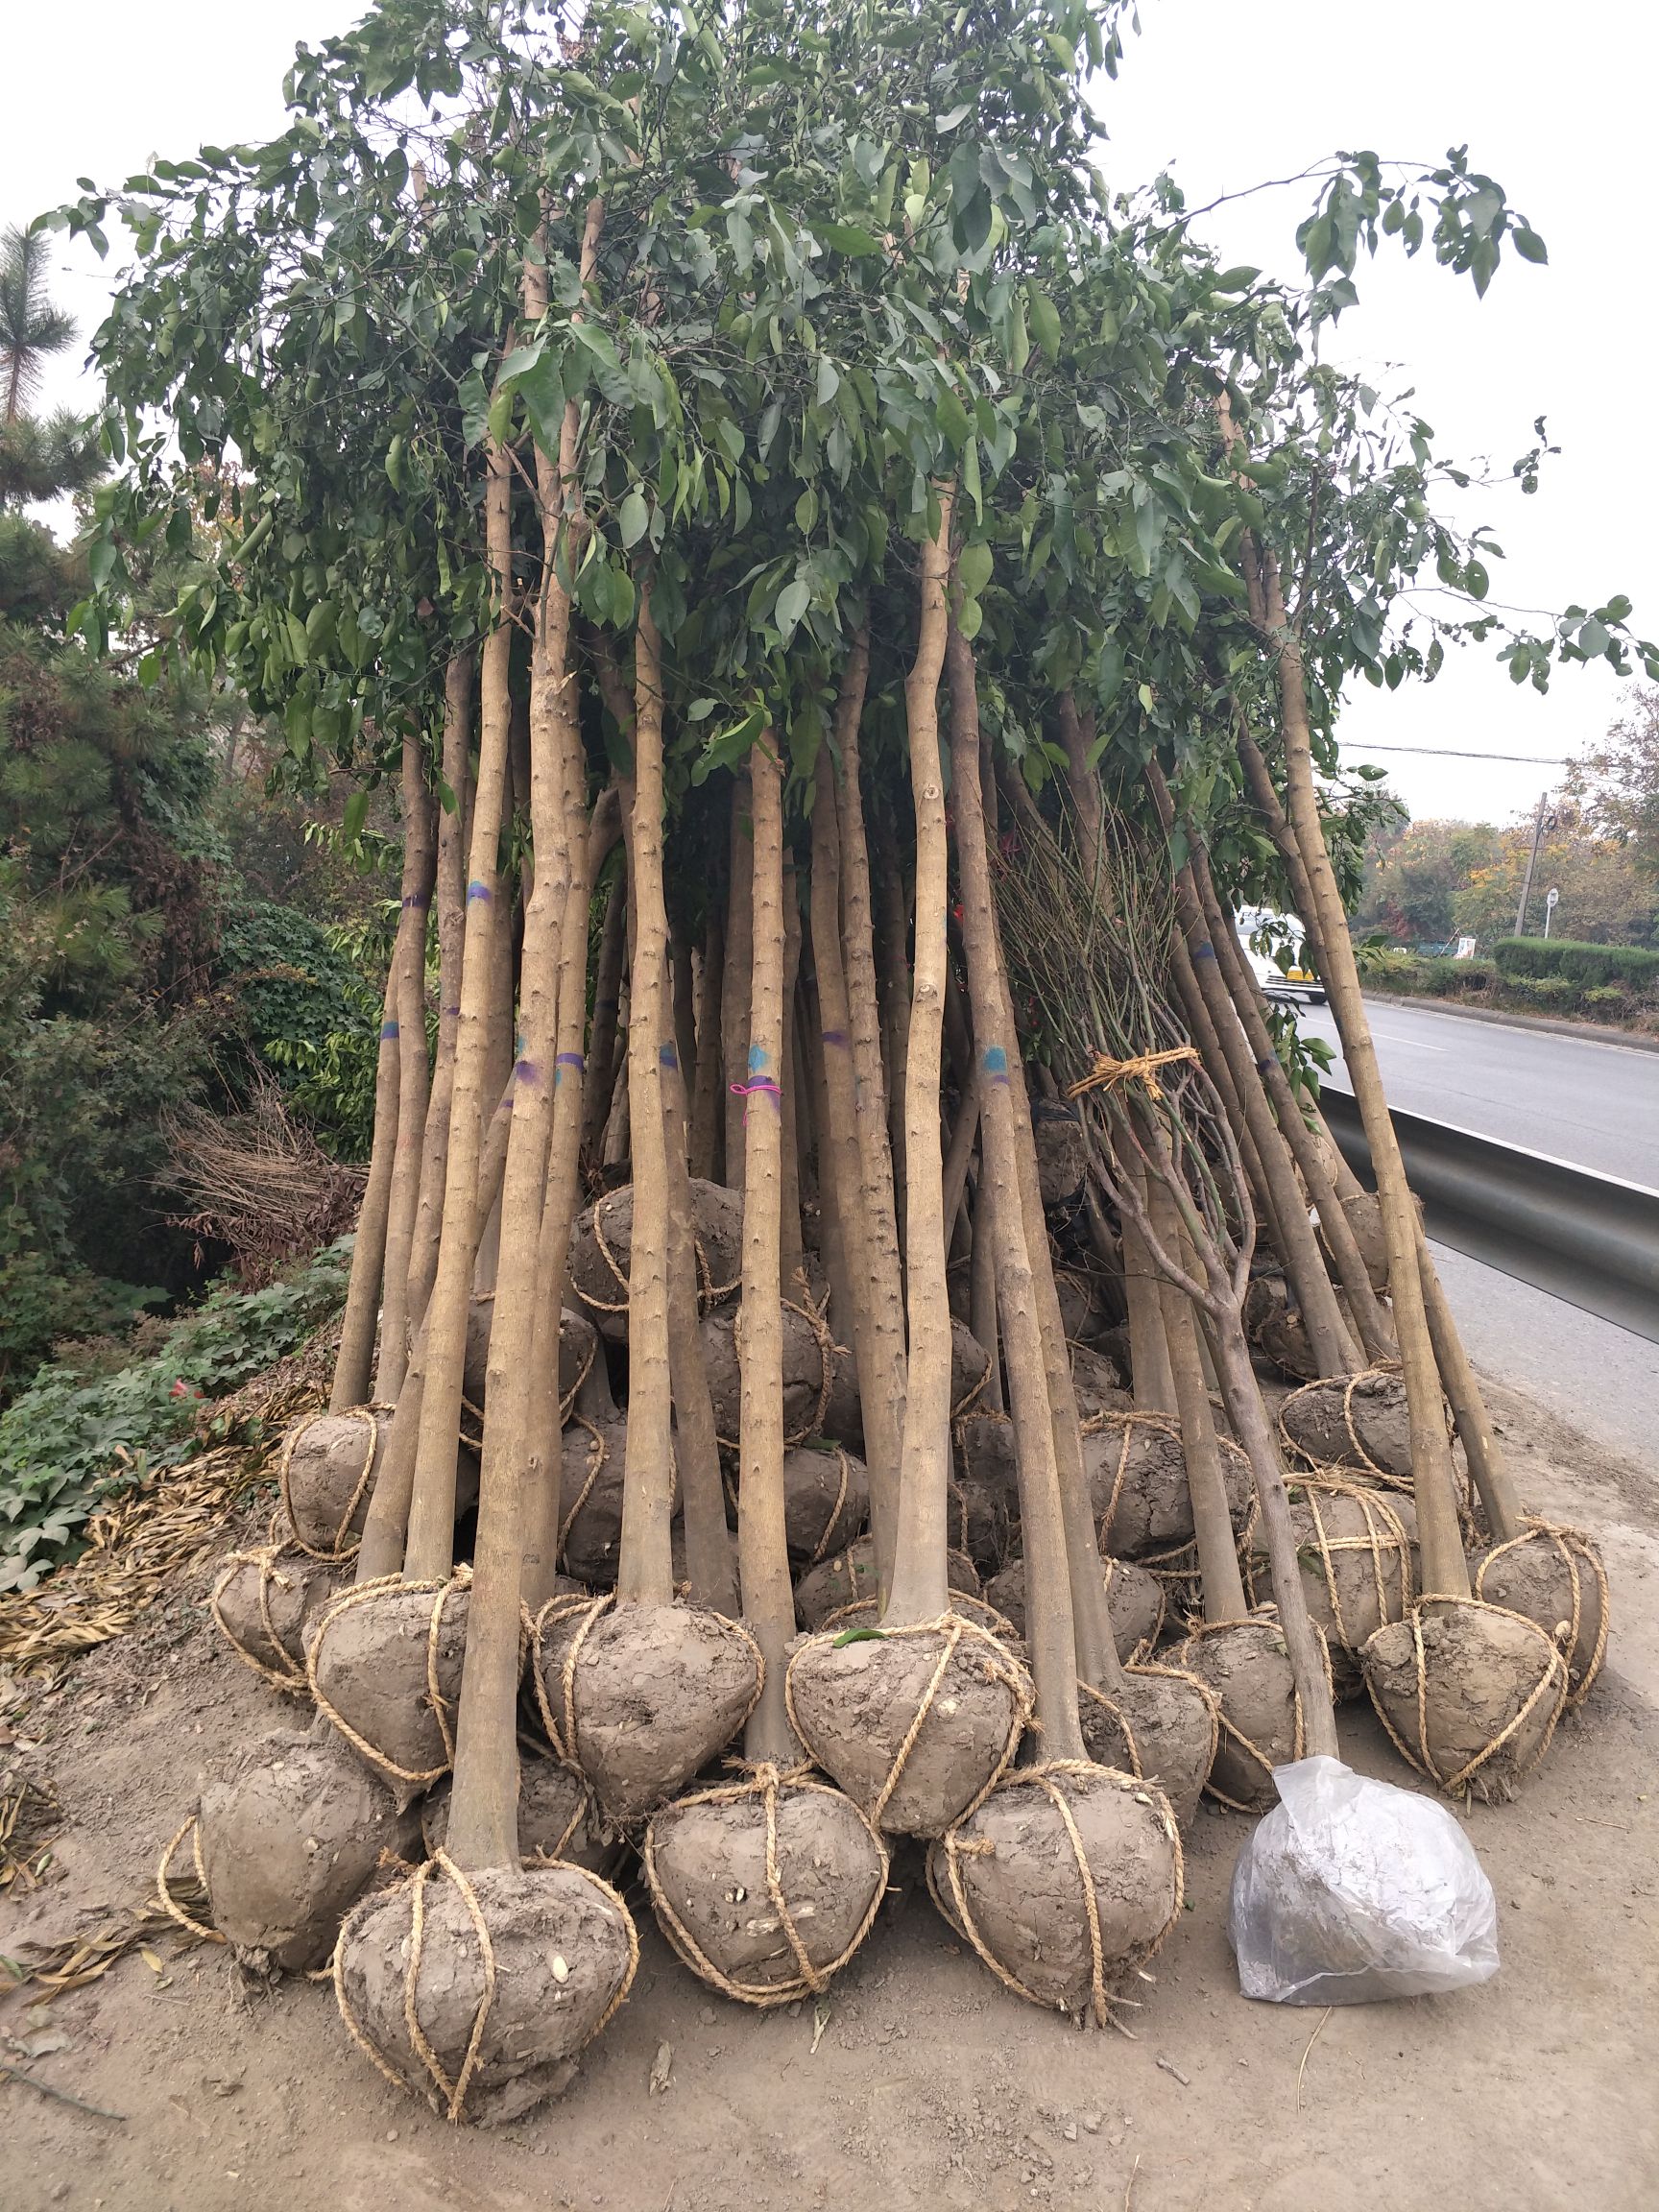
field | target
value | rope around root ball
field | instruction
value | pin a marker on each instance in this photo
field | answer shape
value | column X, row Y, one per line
column 169, row 1904
column 995, row 1666
column 566, row 1607
column 1388, row 1370
column 956, row 1848
column 1571, row 1546
column 341, row 1550
column 1423, row 1759
column 1377, row 1514
column 709, row 1293
column 828, row 1351
column 1266, row 1617
column 763, row 1781
column 1109, row 1704
column 448, row 2098
column 290, row 1676
column 421, row 1778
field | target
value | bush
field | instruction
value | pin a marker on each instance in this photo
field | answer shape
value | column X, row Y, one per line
column 1553, row 993
column 1580, row 964
column 78, row 1434
column 1609, row 999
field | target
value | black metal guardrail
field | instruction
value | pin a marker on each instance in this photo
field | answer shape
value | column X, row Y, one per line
column 1592, row 1239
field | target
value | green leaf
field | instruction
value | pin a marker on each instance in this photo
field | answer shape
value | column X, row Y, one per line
column 974, row 565
column 1528, row 245
column 949, row 122
column 848, row 238
column 859, row 1636
column 970, row 619
column 355, row 815
column 829, row 380
column 793, row 602
column 1045, row 320
column 634, row 518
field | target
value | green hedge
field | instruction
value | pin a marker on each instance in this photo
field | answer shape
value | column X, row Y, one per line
column 1582, row 964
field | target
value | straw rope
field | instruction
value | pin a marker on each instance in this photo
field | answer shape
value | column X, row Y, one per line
column 1384, row 1533
column 288, row 1673
column 1571, row 1546
column 995, row 1666
column 366, row 1593
column 1420, row 1757
column 1264, row 1620
column 170, row 1904
column 339, row 1550
column 1048, row 1777
column 448, row 2097
column 1107, row 1074
column 765, row 1782
column 709, row 1293
column 1126, row 1726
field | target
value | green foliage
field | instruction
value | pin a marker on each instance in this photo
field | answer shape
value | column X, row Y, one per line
column 1576, row 963
column 78, row 1435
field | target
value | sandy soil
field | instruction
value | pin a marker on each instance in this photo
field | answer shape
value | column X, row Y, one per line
column 927, row 2086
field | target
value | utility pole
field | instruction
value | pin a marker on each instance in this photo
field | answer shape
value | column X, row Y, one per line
column 1532, row 863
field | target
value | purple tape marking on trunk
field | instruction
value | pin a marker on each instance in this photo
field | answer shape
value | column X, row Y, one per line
column 762, row 1087
column 388, row 1032
column 1204, row 951
column 833, row 1036
column 996, row 1063
column 479, row 891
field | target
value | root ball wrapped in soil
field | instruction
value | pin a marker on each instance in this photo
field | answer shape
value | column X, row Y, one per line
column 765, row 1887
column 478, row 1992
column 1135, row 1603
column 1276, row 1329
column 1245, row 1664
column 1099, row 1383
column 1554, row 1576
column 826, row 1501
column 289, row 1835
column 1470, row 1694
column 1356, row 1562
column 1165, row 1726
column 820, row 1384
column 915, row 1723
column 595, row 1452
column 265, row 1603
column 1138, row 1481
column 985, row 1489
column 326, row 1473
column 559, row 1816
column 1066, row 1878
column 849, row 1580
column 385, row 1668
column 641, row 1696
column 1360, row 1421
column 602, row 1245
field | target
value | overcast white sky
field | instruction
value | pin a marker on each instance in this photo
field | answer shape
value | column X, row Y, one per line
column 1555, row 103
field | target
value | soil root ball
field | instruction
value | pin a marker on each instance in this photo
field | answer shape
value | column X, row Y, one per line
column 849, row 1580
column 1066, row 1878
column 970, row 1369
column 1165, row 1726
column 915, row 1723
column 1277, row 1330
column 1469, row 1692
column 266, row 1601
column 1356, row 1562
column 1246, row 1665
column 385, row 1668
column 289, row 1837
column 1099, row 1383
column 559, row 1816
column 1135, row 1603
column 864, row 1615
column 1354, row 1421
column 820, row 1383
column 765, row 1887
column 1554, row 1576
column 594, row 1454
column 826, row 1501
column 985, row 1489
column 478, row 1992
column 1138, row 1481
column 602, row 1245
column 641, row 1696
column 325, row 1475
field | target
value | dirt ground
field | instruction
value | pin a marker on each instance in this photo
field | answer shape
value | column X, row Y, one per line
column 920, row 2083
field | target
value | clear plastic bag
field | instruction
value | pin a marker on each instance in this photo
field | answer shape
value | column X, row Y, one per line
column 1351, row 1890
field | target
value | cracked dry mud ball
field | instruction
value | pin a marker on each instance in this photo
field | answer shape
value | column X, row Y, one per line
column 380, row 1673
column 291, row 1834
column 1245, row 1664
column 1477, row 1708
column 1164, row 1725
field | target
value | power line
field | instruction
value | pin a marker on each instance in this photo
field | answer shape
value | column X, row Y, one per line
column 1451, row 753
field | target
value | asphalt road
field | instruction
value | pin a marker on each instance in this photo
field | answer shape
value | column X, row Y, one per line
column 1580, row 1099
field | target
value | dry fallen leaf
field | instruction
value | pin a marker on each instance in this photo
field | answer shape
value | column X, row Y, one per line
column 662, row 2067
column 820, row 2021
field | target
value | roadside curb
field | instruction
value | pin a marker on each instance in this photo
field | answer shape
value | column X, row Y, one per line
column 1592, row 1032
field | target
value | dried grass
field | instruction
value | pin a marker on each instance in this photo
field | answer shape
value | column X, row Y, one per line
column 260, row 1183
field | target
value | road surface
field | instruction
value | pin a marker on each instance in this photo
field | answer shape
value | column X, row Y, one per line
column 1580, row 1099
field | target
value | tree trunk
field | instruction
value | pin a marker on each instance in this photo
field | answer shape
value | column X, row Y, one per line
column 762, row 1538
column 419, row 866
column 432, row 1506
column 734, row 988
column 920, row 1591
column 1212, row 1521
column 1150, row 1374
column 645, row 1574
column 607, row 1005
column 354, row 1363
column 708, row 1114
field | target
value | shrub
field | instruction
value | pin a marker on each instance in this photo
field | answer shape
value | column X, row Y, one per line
column 1552, row 993
column 79, row 1432
column 1580, row 964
